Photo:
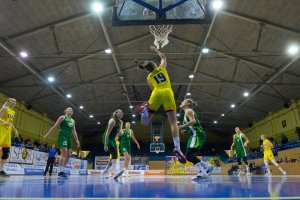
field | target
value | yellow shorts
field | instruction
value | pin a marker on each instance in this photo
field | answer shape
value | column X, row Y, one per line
column 5, row 137
column 268, row 155
column 162, row 97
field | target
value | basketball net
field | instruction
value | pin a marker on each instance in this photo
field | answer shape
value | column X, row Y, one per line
column 160, row 33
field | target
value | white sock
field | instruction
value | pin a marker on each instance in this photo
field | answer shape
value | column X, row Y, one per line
column 248, row 169
column 199, row 167
column 1, row 167
column 176, row 141
column 114, row 166
column 145, row 117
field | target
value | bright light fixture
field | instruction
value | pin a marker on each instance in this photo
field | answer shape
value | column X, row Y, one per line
column 23, row 54
column 188, row 94
column 215, row 122
column 131, row 106
column 293, row 49
column 133, row 122
column 178, row 115
column 133, row 115
column 222, row 115
column 97, row 7
column 81, row 107
column 232, row 105
column 191, row 76
column 217, row 5
column 91, row 116
column 98, row 123
column 205, row 50
column 69, row 96
column 51, row 79
column 108, row 51
column 246, row 94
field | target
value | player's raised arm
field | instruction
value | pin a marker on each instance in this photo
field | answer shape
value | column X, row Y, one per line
column 163, row 61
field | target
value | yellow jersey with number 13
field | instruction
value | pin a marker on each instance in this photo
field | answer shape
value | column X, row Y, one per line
column 159, row 78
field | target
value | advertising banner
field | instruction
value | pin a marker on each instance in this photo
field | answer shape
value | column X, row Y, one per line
column 40, row 158
column 33, row 170
column 21, row 155
column 102, row 161
column 15, row 169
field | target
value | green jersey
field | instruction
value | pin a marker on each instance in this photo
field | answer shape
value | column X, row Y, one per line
column 66, row 127
column 239, row 145
column 113, row 132
column 195, row 128
column 126, row 137
column 238, row 139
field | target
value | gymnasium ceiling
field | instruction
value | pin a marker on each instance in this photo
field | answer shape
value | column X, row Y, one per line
column 63, row 38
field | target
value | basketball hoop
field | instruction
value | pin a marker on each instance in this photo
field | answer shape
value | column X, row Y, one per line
column 160, row 33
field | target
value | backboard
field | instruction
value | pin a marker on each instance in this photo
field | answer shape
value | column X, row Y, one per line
column 153, row 12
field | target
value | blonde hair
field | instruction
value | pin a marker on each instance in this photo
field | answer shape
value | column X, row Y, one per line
column 9, row 99
column 264, row 136
column 115, row 113
column 192, row 103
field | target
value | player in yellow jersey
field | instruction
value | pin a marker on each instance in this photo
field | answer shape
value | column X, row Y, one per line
column 7, row 114
column 268, row 155
column 162, row 95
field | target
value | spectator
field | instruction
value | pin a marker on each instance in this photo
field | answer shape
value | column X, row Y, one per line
column 284, row 139
column 286, row 160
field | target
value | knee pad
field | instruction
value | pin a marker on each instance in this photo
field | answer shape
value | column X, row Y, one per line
column 5, row 153
column 239, row 161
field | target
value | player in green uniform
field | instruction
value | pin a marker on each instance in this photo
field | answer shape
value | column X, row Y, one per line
column 66, row 126
column 125, row 138
column 114, row 126
column 238, row 142
column 196, row 138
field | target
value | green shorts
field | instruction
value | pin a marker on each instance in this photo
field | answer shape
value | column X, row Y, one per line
column 125, row 147
column 111, row 144
column 240, row 152
column 196, row 141
column 64, row 141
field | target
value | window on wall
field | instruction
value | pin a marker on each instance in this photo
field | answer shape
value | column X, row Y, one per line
column 283, row 123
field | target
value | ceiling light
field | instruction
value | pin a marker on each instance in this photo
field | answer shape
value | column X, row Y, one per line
column 215, row 122
column 81, row 107
column 178, row 115
column 98, row 123
column 133, row 115
column 246, row 94
column 69, row 96
column 23, row 54
column 188, row 94
column 205, row 50
column 51, row 79
column 108, row 51
column 131, row 106
column 191, row 76
column 217, row 5
column 97, row 7
column 232, row 105
column 133, row 122
column 222, row 115
column 293, row 49
column 91, row 116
